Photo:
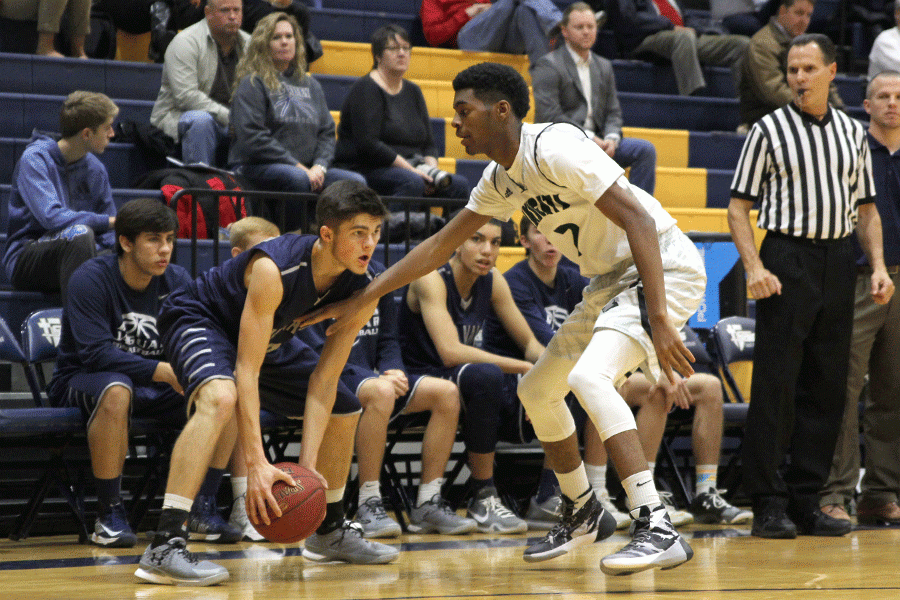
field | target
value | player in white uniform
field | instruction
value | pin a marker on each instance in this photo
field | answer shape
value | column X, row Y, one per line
column 647, row 278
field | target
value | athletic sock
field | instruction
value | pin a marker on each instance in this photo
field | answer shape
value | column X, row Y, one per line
column 109, row 493
column 238, row 487
column 211, row 482
column 334, row 517
column 641, row 492
column 575, row 486
column 479, row 484
column 596, row 475
column 173, row 522
column 707, row 478
column 367, row 490
column 428, row 490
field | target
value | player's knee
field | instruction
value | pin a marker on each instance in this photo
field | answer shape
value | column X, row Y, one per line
column 582, row 380
column 218, row 404
column 115, row 403
column 378, row 396
column 446, row 398
column 483, row 381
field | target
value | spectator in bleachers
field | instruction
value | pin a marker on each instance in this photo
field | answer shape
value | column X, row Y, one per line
column 873, row 349
column 197, row 80
column 61, row 209
column 376, row 373
column 885, row 54
column 658, row 28
column 513, row 26
column 283, row 133
column 743, row 17
column 764, row 85
column 49, row 14
column 385, row 131
column 441, row 320
column 111, row 364
column 574, row 85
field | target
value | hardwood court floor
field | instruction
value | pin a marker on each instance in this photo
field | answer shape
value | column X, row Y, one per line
column 727, row 565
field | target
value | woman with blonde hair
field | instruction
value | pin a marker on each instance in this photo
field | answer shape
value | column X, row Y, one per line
column 283, row 136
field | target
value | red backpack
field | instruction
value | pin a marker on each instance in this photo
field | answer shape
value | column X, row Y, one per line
column 170, row 181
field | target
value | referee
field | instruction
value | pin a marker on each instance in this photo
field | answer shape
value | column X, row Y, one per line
column 808, row 166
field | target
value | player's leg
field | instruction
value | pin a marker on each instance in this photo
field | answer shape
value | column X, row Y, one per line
column 167, row 560
column 377, row 398
column 542, row 391
column 656, row 543
column 205, row 521
column 708, row 505
column 481, row 388
column 238, row 517
column 595, row 464
column 441, row 398
column 105, row 400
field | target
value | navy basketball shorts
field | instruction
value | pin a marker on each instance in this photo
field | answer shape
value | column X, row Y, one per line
column 158, row 400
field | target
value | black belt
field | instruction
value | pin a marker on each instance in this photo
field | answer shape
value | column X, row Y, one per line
column 807, row 241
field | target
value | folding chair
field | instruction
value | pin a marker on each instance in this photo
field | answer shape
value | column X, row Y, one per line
column 734, row 339
column 52, row 429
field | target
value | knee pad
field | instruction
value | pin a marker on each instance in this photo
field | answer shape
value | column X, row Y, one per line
column 546, row 407
column 481, row 388
column 606, row 408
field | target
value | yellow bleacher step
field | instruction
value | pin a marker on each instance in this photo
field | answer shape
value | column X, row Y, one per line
column 355, row 59
column 681, row 188
column 671, row 144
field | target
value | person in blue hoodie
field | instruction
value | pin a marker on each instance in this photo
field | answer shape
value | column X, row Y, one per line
column 61, row 210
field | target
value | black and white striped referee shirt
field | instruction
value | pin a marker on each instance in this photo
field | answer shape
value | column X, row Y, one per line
column 808, row 176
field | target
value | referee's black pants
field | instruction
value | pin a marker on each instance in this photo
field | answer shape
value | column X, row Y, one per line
column 800, row 367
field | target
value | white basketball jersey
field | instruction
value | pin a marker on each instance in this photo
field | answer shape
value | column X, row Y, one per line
column 557, row 176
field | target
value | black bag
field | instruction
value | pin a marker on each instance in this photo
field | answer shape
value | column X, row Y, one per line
column 152, row 141
column 170, row 181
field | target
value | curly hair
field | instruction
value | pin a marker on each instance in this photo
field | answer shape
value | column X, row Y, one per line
column 492, row 82
column 257, row 59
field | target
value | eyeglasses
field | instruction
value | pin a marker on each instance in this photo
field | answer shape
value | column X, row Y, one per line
column 406, row 49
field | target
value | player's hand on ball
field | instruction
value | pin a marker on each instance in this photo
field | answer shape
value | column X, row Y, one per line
column 259, row 492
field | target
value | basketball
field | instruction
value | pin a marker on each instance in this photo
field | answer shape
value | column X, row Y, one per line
column 302, row 506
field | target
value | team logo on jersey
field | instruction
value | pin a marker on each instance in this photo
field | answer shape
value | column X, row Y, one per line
column 137, row 334
column 509, row 192
column 556, row 316
column 471, row 334
column 540, row 206
column 370, row 328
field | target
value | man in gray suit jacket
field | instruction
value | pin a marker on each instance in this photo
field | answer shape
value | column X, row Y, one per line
column 574, row 85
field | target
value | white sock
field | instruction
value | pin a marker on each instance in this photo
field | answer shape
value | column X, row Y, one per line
column 574, row 485
column 641, row 492
column 177, row 502
column 428, row 490
column 238, row 487
column 369, row 489
column 651, row 466
column 596, row 475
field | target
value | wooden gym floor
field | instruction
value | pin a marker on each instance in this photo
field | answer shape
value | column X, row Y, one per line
column 727, row 564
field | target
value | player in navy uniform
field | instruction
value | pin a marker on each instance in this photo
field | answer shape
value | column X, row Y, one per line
column 112, row 364
column 230, row 336
column 441, row 322
column 376, row 372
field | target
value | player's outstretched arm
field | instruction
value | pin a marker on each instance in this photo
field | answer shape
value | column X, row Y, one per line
column 354, row 312
column 264, row 293
column 624, row 209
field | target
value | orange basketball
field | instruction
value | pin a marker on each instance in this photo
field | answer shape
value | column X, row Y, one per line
column 302, row 506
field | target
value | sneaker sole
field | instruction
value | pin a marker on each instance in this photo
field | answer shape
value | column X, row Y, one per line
column 382, row 533
column 114, row 542
column 428, row 528
column 497, row 528
column 154, row 576
column 213, row 538
column 368, row 560
column 606, row 526
column 675, row 555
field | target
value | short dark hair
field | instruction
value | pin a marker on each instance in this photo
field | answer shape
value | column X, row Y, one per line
column 345, row 199
column 492, row 82
column 829, row 51
column 524, row 225
column 384, row 36
column 143, row 215
column 790, row 3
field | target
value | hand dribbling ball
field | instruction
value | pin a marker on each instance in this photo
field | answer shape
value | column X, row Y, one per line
column 302, row 506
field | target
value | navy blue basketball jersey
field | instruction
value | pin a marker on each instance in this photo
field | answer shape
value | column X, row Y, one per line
column 220, row 294
column 109, row 326
column 544, row 308
column 469, row 316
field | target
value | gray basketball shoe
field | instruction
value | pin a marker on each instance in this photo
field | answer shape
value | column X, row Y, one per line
column 172, row 564
column 436, row 515
column 346, row 544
